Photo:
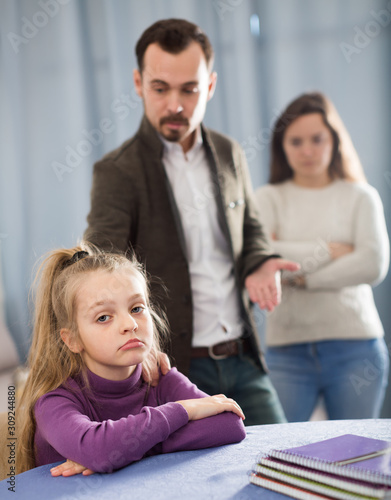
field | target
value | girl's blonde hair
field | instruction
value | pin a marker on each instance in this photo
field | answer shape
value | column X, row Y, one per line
column 50, row 361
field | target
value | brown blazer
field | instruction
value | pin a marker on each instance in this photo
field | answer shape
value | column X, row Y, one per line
column 132, row 206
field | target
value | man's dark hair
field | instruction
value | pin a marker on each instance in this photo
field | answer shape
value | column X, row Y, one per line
column 173, row 36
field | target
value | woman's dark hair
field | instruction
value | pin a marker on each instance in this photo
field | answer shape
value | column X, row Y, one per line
column 173, row 36
column 344, row 163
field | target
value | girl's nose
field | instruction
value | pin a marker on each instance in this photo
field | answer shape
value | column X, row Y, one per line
column 129, row 324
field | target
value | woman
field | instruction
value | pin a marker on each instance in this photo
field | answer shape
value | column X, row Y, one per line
column 326, row 337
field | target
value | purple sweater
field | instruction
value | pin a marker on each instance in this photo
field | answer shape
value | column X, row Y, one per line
column 123, row 421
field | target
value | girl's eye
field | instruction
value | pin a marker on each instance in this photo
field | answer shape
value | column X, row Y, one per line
column 103, row 319
column 317, row 139
column 137, row 309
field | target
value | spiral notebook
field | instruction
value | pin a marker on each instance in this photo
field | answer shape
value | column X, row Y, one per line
column 352, row 456
column 346, row 467
column 318, row 480
column 303, row 491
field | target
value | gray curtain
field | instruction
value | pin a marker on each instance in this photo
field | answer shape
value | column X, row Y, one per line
column 67, row 98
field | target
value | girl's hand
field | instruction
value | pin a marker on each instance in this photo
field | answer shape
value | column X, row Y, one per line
column 70, row 468
column 338, row 250
column 209, row 406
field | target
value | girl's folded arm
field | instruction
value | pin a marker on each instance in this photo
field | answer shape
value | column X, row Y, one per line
column 108, row 445
column 218, row 430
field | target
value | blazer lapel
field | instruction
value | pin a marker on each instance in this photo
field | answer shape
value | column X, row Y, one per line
column 219, row 175
column 154, row 148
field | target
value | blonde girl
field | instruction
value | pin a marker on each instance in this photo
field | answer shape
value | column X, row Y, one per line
column 85, row 399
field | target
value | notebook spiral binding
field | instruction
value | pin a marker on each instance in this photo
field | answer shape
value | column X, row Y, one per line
column 332, row 468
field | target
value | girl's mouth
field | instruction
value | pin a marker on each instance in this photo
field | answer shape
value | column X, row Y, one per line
column 132, row 344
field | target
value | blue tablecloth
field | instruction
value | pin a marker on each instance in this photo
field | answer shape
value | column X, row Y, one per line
column 211, row 474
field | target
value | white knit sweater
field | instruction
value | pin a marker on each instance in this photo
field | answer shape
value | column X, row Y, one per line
column 338, row 301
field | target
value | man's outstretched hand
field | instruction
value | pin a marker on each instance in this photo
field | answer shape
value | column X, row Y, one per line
column 264, row 284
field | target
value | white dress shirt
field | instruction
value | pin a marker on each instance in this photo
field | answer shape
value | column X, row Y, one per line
column 216, row 309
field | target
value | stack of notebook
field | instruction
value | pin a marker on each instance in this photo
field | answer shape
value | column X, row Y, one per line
column 345, row 467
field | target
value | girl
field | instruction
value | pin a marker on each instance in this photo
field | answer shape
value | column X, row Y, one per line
column 326, row 337
column 95, row 331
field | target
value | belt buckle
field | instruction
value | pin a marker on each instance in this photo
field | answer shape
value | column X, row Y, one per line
column 214, row 356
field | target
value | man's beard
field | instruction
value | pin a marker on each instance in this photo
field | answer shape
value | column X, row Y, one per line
column 173, row 135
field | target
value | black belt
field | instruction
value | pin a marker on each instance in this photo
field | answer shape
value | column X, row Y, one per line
column 223, row 350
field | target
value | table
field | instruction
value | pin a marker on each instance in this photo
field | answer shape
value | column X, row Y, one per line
column 211, row 474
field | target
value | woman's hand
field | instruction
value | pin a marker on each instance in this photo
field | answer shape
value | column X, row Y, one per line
column 338, row 250
column 209, row 406
column 297, row 281
column 70, row 468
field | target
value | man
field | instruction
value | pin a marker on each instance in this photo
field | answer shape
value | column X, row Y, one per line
column 180, row 196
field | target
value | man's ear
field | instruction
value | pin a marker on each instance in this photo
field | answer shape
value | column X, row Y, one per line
column 137, row 80
column 212, row 84
column 70, row 341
